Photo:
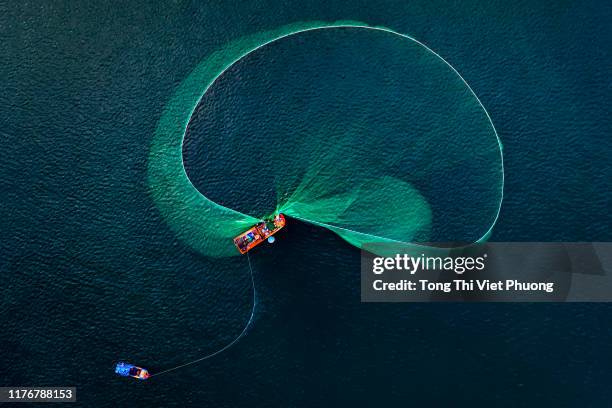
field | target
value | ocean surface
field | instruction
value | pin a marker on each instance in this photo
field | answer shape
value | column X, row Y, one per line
column 91, row 272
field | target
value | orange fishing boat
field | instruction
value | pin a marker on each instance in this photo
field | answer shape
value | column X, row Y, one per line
column 259, row 233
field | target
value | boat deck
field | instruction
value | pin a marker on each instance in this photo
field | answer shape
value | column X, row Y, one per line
column 258, row 233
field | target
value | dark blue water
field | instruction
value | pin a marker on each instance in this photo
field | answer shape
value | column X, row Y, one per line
column 91, row 273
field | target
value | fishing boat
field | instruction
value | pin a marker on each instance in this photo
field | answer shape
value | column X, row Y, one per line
column 130, row 370
column 259, row 233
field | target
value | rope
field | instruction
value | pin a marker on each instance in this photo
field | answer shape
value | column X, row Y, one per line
column 227, row 346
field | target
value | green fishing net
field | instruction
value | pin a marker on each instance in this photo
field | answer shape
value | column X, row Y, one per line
column 360, row 130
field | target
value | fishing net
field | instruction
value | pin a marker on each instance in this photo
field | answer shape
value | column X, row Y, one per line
column 357, row 129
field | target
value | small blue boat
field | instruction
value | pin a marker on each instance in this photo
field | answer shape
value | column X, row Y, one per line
column 130, row 370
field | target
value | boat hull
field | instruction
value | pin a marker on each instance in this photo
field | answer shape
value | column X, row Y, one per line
column 258, row 234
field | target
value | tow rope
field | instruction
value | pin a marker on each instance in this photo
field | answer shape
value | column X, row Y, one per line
column 230, row 344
